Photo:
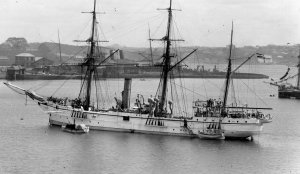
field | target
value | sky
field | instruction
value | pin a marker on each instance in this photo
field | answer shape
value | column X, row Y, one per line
column 126, row 22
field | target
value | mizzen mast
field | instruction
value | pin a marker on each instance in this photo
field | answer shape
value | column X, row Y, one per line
column 228, row 74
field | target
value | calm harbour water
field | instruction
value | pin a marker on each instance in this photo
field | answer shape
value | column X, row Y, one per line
column 29, row 145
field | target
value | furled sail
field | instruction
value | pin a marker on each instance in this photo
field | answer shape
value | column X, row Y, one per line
column 22, row 91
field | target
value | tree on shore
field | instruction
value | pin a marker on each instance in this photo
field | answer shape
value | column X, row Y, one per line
column 16, row 43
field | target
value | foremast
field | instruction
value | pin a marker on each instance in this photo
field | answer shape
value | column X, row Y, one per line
column 228, row 74
column 90, row 62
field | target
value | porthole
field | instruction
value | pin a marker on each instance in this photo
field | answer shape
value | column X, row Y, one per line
column 126, row 118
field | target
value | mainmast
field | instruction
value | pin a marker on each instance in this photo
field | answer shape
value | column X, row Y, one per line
column 167, row 60
column 162, row 92
column 90, row 62
column 228, row 74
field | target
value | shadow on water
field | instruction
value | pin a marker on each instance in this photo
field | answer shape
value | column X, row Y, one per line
column 125, row 136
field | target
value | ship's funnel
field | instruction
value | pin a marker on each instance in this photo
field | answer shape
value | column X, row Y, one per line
column 112, row 55
column 121, row 55
column 126, row 93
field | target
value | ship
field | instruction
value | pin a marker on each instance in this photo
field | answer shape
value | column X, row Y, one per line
column 285, row 89
column 157, row 117
column 154, row 71
column 128, row 70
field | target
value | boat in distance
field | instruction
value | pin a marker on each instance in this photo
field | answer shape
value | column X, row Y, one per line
column 285, row 89
column 214, row 131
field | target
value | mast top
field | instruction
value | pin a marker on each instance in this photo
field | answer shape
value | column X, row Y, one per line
column 170, row 8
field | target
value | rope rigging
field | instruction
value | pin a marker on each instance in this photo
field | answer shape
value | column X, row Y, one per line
column 122, row 31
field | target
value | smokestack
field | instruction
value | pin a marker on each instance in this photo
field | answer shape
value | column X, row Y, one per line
column 121, row 55
column 126, row 93
column 110, row 53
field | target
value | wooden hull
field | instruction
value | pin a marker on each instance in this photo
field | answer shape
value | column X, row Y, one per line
column 74, row 131
column 141, row 123
column 211, row 134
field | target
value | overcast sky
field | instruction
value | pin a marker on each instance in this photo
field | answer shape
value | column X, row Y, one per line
column 201, row 22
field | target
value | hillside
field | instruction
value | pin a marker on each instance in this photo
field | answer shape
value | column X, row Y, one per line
column 282, row 55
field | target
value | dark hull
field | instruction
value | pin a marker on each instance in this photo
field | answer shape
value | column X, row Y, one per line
column 289, row 94
column 74, row 72
column 192, row 75
column 147, row 75
column 42, row 77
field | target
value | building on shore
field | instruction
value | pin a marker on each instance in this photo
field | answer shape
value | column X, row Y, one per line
column 15, row 72
column 41, row 62
column 24, row 59
column 4, row 61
